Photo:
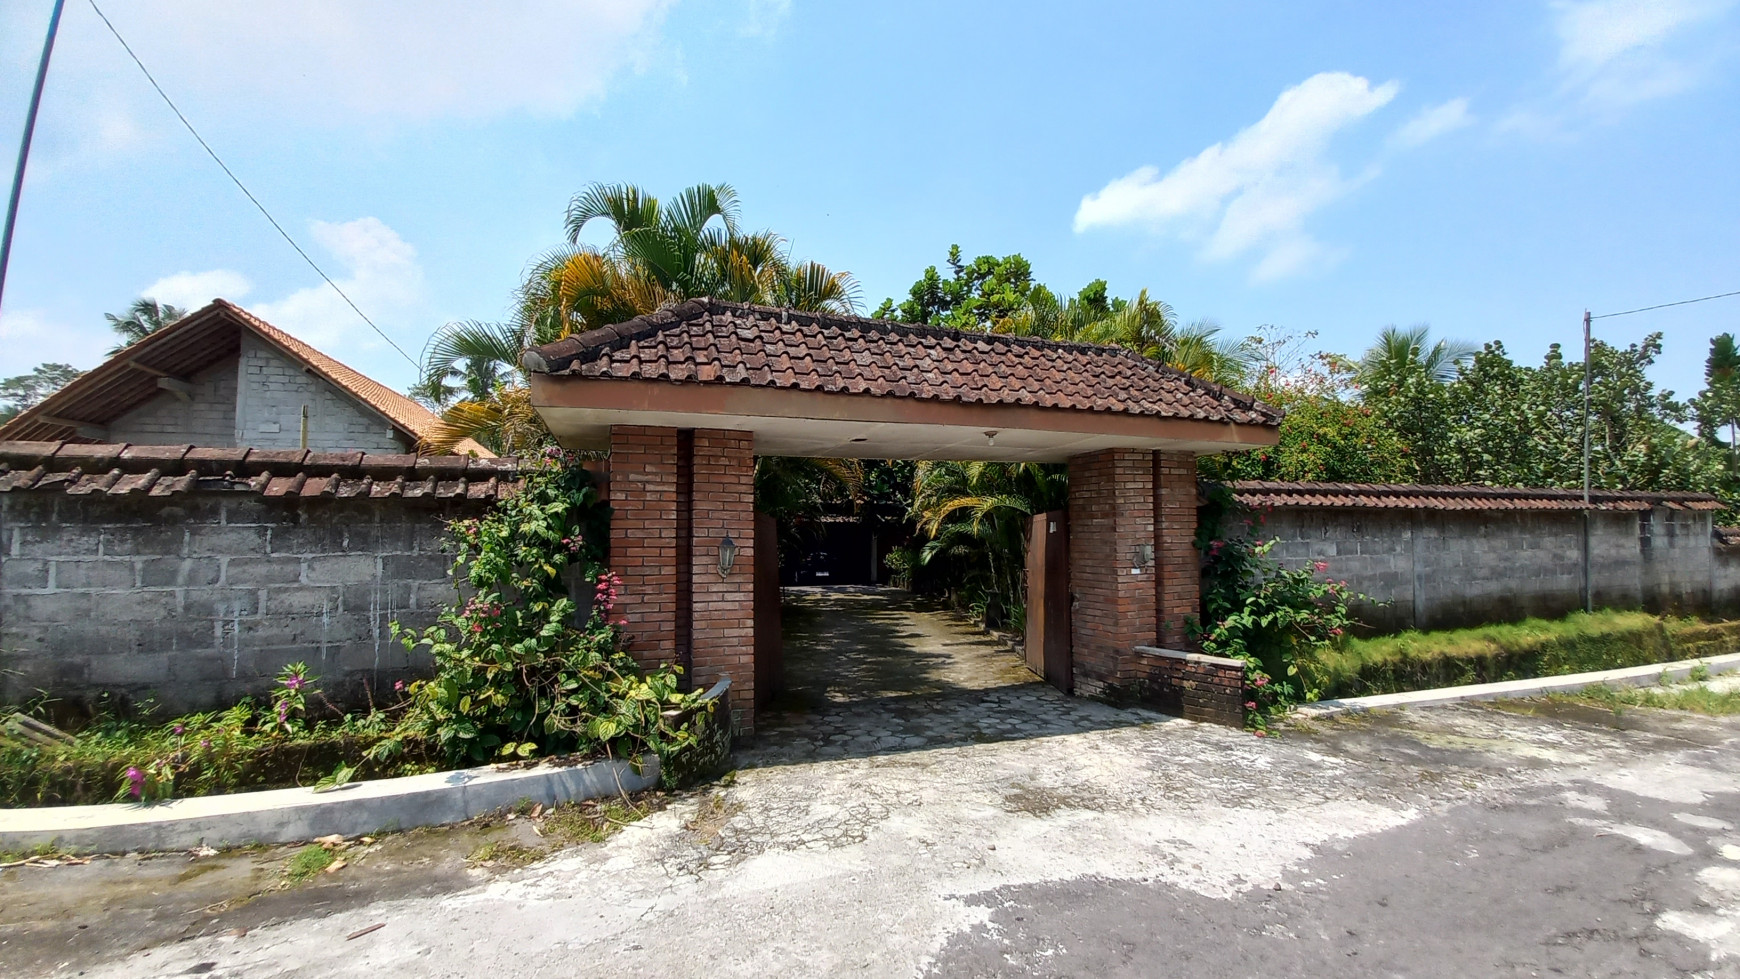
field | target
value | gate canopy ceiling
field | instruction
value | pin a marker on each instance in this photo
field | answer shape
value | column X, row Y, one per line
column 818, row 384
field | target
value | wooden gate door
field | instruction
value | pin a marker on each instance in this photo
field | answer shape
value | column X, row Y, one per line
column 769, row 646
column 1048, row 643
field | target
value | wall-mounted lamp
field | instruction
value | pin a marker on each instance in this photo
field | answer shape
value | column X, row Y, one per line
column 991, row 438
column 727, row 556
column 1141, row 556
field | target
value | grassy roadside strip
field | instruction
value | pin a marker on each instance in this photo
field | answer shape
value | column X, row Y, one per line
column 1578, row 643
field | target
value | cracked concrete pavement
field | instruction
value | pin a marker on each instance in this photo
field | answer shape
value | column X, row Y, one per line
column 1518, row 839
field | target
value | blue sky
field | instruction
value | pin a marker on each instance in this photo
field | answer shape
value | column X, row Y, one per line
column 1489, row 168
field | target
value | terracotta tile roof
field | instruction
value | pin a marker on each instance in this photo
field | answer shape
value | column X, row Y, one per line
column 189, row 345
column 1388, row 496
column 80, row 469
column 709, row 341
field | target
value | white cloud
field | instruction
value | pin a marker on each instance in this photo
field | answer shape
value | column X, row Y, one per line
column 382, row 277
column 337, row 62
column 191, row 290
column 762, row 17
column 1618, row 53
column 1431, row 122
column 1253, row 192
column 32, row 336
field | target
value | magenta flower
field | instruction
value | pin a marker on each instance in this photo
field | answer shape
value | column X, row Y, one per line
column 1321, row 566
column 137, row 780
column 205, row 742
column 1250, row 705
column 179, row 730
column 399, row 686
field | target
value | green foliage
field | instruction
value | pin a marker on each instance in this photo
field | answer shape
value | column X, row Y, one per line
column 977, row 295
column 998, row 295
column 1694, row 698
column 210, row 752
column 28, row 390
column 1272, row 618
column 974, row 518
column 1503, row 424
column 143, row 318
column 1718, row 405
column 306, row 862
column 1578, row 643
column 519, row 671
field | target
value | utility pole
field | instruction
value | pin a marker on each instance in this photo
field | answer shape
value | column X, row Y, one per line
column 24, row 146
column 1588, row 517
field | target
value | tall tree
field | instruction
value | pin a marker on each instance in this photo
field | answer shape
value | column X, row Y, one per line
column 1718, row 406
column 1398, row 351
column 658, row 254
column 26, row 391
column 143, row 318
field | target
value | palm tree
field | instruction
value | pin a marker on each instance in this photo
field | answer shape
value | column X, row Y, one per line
column 659, row 254
column 1397, row 350
column 975, row 514
column 143, row 318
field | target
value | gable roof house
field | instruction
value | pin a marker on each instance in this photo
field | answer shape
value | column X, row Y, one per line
column 222, row 376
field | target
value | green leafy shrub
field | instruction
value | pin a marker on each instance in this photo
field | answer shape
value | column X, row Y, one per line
column 520, row 670
column 1274, row 619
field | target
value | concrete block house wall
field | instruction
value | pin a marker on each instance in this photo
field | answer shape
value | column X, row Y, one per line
column 165, row 578
column 256, row 400
column 269, row 401
column 1437, row 568
column 206, row 417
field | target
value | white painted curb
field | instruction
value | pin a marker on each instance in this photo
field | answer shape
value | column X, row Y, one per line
column 290, row 815
column 1634, row 676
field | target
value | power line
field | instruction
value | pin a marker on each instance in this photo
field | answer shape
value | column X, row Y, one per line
column 1683, row 302
column 239, row 186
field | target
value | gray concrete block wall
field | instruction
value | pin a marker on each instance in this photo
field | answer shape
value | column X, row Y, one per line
column 1435, row 569
column 271, row 393
column 208, row 418
column 200, row 599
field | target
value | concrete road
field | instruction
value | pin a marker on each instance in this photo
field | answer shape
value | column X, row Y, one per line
column 1458, row 841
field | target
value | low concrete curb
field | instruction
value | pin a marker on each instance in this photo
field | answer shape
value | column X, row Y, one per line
column 289, row 815
column 1635, row 676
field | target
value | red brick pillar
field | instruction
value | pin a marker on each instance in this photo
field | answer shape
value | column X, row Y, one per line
column 1111, row 528
column 722, row 631
column 643, row 537
column 1179, row 576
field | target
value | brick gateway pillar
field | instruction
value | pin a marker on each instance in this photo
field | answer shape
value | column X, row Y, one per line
column 1135, row 577
column 676, row 497
column 1111, row 571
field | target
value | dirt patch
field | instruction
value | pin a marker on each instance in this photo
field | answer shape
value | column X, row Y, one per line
column 76, row 916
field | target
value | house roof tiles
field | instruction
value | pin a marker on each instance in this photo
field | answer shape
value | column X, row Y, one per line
column 709, row 341
column 1256, row 493
column 184, row 348
column 157, row 470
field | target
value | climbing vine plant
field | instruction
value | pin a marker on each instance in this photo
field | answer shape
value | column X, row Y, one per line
column 521, row 668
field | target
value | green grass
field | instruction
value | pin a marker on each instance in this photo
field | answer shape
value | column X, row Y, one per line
column 307, row 862
column 1578, row 643
column 1693, row 699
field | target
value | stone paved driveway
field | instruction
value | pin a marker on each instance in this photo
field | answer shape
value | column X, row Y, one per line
column 875, row 670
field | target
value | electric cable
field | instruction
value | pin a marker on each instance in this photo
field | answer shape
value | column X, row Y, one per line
column 1683, row 302
column 243, row 188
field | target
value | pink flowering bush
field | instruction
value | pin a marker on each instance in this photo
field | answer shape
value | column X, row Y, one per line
column 520, row 669
column 1272, row 618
